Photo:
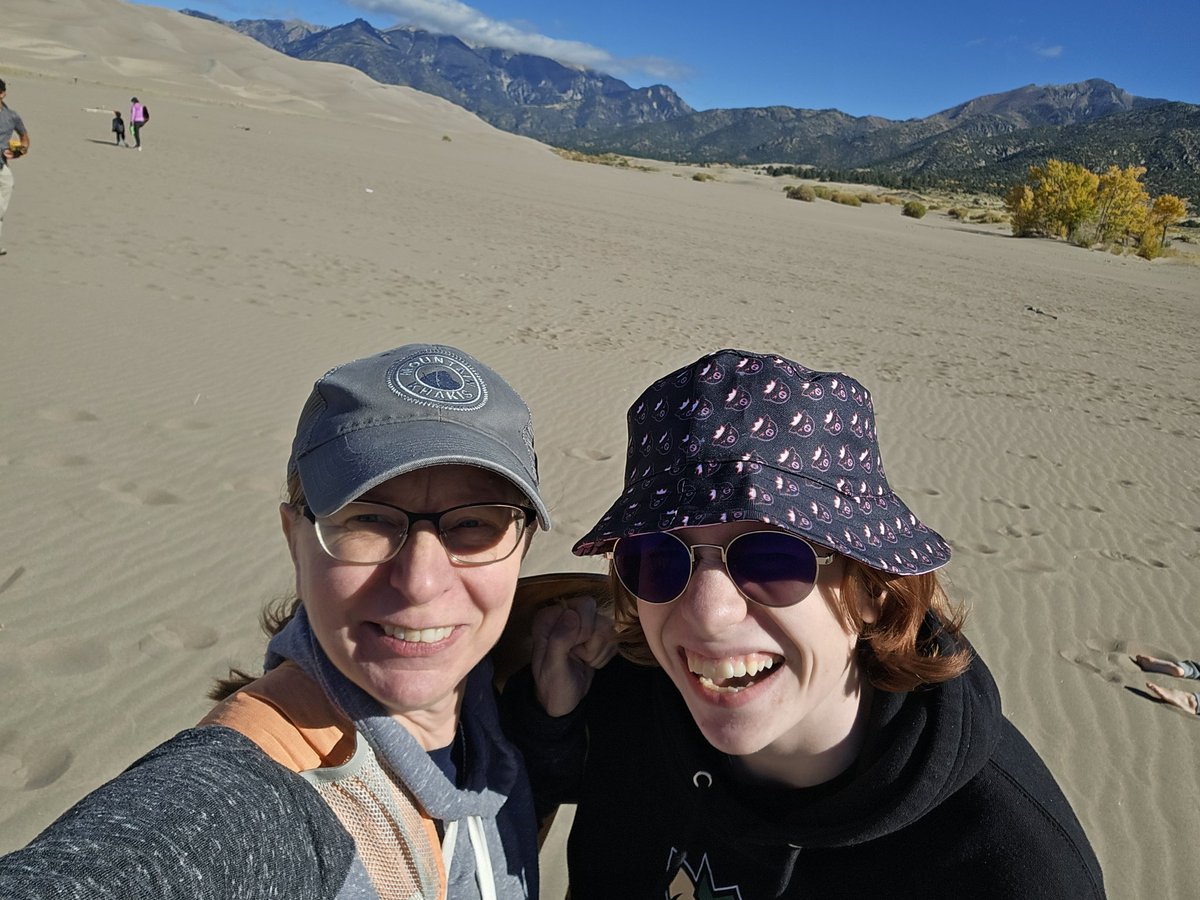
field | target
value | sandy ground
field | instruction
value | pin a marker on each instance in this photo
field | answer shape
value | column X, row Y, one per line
column 165, row 313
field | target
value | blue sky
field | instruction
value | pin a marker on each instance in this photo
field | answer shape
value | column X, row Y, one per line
column 898, row 60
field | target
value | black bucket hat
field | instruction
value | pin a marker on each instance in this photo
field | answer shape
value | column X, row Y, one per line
column 739, row 436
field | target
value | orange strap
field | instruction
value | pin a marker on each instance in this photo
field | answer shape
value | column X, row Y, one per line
column 291, row 720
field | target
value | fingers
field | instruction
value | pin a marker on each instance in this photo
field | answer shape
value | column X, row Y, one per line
column 600, row 645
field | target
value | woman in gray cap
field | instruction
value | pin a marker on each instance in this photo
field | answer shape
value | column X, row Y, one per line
column 808, row 720
column 368, row 760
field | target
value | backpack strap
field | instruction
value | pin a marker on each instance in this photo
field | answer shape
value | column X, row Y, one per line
column 291, row 720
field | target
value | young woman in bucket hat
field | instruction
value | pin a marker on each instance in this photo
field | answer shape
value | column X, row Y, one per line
column 810, row 721
column 368, row 760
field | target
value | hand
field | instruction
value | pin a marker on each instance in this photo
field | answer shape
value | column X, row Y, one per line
column 571, row 639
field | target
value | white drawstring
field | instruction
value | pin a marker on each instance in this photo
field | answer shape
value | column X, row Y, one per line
column 483, row 860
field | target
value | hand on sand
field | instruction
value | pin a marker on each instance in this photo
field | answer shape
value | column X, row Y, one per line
column 1154, row 664
column 1182, row 699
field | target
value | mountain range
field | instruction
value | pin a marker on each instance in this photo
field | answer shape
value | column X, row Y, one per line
column 986, row 143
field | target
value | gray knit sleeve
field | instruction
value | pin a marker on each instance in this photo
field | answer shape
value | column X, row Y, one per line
column 205, row 815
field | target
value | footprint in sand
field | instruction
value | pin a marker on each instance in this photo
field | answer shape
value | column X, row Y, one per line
column 985, row 549
column 166, row 637
column 1103, row 659
column 1009, row 531
column 42, row 767
column 57, row 658
column 588, row 454
column 1118, row 556
column 1007, row 503
column 64, row 461
column 62, row 414
column 132, row 492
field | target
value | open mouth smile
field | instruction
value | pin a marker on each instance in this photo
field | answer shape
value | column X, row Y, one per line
column 731, row 674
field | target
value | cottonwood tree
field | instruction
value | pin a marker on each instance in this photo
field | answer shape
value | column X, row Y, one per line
column 1122, row 203
column 1064, row 195
column 1165, row 212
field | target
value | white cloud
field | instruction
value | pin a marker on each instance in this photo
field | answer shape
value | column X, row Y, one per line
column 469, row 24
column 1052, row 52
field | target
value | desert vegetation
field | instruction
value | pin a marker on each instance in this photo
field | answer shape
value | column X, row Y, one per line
column 1113, row 209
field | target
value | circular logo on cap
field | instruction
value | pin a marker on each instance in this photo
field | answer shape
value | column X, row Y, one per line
column 437, row 379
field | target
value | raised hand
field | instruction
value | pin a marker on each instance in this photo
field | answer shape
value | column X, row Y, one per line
column 571, row 639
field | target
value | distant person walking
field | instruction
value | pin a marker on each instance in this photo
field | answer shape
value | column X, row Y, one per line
column 139, row 115
column 118, row 127
column 14, row 142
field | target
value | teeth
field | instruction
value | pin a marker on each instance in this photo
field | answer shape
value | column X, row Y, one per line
column 418, row 635
column 712, row 671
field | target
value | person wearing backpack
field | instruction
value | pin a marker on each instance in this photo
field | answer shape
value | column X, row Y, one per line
column 139, row 115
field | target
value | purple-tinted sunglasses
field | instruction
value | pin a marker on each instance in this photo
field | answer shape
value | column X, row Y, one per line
column 773, row 568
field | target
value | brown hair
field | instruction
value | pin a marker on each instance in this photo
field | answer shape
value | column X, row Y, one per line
column 895, row 656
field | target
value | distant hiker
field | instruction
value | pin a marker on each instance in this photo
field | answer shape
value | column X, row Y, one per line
column 139, row 115
column 14, row 142
column 118, row 127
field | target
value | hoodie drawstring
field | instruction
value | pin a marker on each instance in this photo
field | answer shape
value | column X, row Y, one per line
column 484, row 876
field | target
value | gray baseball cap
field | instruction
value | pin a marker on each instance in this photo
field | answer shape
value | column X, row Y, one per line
column 416, row 406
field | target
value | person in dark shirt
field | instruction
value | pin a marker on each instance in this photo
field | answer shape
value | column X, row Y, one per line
column 795, row 712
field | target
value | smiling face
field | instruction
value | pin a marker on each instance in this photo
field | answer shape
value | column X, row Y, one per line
column 409, row 630
column 779, row 688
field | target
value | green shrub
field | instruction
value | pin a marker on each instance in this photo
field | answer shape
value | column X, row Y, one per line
column 892, row 200
column 825, row 193
column 446, row 138
column 914, row 209
column 702, row 176
column 868, row 197
column 845, row 199
column 801, row 192
column 957, row 212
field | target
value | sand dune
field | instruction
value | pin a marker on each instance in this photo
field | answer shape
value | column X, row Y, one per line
column 166, row 312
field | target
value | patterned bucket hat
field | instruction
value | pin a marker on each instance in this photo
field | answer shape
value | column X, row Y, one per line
column 739, row 436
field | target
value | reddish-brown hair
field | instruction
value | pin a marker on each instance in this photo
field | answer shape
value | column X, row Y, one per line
column 894, row 655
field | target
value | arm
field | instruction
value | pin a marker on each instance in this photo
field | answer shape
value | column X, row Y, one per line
column 205, row 815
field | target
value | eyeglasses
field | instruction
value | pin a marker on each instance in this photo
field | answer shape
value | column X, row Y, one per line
column 370, row 533
column 773, row 568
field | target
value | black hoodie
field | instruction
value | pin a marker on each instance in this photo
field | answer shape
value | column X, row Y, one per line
column 946, row 799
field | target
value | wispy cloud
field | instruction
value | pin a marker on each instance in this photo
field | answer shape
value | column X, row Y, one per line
column 1053, row 51
column 468, row 23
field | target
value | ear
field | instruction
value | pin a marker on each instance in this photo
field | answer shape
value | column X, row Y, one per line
column 870, row 608
column 289, row 518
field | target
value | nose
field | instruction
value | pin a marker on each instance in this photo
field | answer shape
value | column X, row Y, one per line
column 420, row 571
column 711, row 602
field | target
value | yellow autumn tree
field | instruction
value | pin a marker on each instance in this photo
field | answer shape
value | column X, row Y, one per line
column 1064, row 195
column 1019, row 203
column 1122, row 203
column 1165, row 212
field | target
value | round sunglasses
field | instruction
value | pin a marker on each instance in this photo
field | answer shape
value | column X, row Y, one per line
column 772, row 568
